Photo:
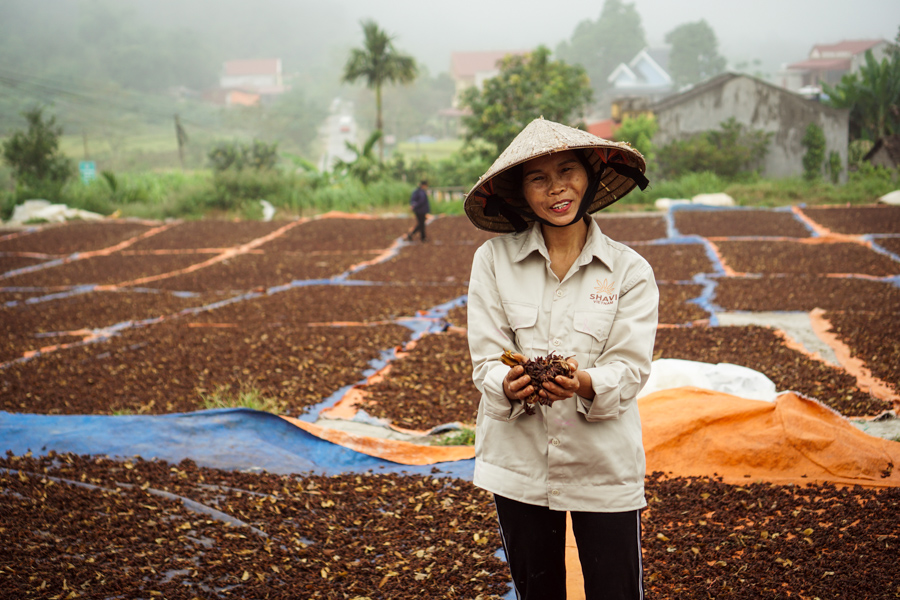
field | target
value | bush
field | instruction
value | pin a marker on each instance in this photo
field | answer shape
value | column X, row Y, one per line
column 462, row 169
column 258, row 155
column 639, row 131
column 34, row 154
column 834, row 166
column 856, row 151
column 731, row 152
column 231, row 189
column 814, row 142
column 351, row 195
column 685, row 187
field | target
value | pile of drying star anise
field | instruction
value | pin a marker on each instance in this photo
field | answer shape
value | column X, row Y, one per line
column 540, row 369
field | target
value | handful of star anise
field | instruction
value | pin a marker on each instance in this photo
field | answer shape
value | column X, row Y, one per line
column 540, row 369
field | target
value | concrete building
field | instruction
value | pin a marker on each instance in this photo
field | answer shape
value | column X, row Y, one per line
column 757, row 105
column 248, row 82
column 827, row 63
column 473, row 68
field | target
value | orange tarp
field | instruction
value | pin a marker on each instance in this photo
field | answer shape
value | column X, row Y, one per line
column 696, row 432
column 691, row 431
column 404, row 453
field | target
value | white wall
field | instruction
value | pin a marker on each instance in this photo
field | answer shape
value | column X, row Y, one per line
column 759, row 106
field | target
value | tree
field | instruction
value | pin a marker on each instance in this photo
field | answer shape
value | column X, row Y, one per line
column 413, row 109
column 694, row 55
column 528, row 86
column 378, row 62
column 34, row 154
column 601, row 45
column 872, row 95
column 639, row 131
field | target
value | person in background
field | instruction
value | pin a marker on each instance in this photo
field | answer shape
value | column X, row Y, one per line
column 418, row 202
column 554, row 283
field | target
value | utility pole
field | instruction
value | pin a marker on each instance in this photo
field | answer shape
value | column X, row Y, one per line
column 181, row 136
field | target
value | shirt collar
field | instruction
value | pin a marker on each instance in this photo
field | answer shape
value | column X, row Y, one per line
column 596, row 244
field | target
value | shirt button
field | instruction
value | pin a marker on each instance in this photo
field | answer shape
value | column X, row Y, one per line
column 555, row 492
column 556, row 342
column 555, row 442
column 559, row 293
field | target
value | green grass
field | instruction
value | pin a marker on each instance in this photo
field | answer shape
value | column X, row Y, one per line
column 863, row 187
column 174, row 193
column 461, row 437
column 246, row 396
column 433, row 151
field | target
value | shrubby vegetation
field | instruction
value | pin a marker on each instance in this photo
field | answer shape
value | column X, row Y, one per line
column 731, row 152
column 37, row 165
column 814, row 142
column 236, row 181
column 639, row 131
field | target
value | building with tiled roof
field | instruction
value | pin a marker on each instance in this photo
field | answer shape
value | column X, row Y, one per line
column 258, row 77
column 827, row 63
column 473, row 68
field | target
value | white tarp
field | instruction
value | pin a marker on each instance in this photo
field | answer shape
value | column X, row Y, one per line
column 718, row 199
column 43, row 210
column 892, row 198
column 668, row 373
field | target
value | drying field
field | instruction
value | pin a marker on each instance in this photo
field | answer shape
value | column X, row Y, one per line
column 148, row 318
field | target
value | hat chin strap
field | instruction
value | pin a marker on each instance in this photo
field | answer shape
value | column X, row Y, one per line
column 495, row 205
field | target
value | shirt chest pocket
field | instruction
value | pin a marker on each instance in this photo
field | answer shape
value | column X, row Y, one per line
column 592, row 330
column 522, row 320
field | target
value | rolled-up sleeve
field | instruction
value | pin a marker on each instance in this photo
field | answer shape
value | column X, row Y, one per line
column 623, row 367
column 489, row 334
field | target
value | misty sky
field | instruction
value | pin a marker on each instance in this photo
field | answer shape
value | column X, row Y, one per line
column 774, row 31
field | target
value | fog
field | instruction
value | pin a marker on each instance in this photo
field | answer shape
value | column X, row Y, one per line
column 773, row 31
column 316, row 34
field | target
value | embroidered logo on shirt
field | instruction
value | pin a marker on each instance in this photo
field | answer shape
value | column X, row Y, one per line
column 605, row 292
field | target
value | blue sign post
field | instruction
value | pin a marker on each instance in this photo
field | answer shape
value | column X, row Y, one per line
column 88, row 170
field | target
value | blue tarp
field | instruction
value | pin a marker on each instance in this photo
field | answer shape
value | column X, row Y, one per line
column 233, row 439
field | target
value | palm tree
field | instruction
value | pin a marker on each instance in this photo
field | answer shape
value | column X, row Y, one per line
column 378, row 62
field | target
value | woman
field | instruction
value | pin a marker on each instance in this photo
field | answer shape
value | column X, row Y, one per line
column 556, row 284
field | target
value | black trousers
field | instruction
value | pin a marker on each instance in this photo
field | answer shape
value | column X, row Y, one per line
column 420, row 226
column 609, row 548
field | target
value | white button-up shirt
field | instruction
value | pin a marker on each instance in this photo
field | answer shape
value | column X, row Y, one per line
column 578, row 454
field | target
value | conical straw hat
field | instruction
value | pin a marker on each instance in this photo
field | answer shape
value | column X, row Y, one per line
column 624, row 170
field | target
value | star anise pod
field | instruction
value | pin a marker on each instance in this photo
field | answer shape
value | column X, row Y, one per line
column 540, row 369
